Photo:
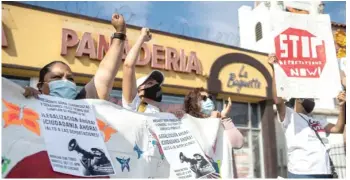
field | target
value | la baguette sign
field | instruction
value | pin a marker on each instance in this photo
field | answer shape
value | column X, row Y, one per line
column 158, row 56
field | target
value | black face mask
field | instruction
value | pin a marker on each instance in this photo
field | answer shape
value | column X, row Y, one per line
column 308, row 105
column 154, row 93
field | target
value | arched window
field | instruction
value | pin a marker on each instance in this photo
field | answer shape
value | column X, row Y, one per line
column 258, row 32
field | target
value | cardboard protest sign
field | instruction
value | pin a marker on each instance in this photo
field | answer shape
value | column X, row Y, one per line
column 307, row 60
column 131, row 148
column 80, row 149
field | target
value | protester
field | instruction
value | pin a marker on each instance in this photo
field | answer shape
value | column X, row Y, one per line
column 57, row 79
column 307, row 155
column 146, row 91
column 198, row 103
column 342, row 69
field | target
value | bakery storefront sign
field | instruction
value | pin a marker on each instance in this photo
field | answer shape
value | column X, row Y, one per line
column 241, row 80
column 159, row 57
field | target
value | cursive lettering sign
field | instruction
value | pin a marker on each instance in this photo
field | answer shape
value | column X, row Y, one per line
column 242, row 81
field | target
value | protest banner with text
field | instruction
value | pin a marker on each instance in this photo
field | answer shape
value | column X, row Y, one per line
column 57, row 138
column 306, row 55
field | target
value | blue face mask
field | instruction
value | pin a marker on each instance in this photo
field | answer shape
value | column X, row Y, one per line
column 207, row 106
column 63, row 88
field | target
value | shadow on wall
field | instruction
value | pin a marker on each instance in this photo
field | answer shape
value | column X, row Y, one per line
column 11, row 48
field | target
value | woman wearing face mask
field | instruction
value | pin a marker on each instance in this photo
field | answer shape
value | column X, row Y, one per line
column 198, row 103
column 57, row 79
column 145, row 94
column 305, row 137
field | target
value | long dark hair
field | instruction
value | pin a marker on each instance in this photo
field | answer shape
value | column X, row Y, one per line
column 192, row 103
column 45, row 70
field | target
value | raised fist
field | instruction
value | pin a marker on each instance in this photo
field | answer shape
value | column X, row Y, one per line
column 118, row 23
column 227, row 108
column 272, row 58
column 146, row 34
column 342, row 98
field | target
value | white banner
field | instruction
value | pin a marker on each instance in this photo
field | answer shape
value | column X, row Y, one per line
column 134, row 150
column 307, row 66
column 72, row 137
column 181, row 150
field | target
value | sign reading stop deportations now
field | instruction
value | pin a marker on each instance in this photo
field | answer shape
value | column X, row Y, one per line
column 307, row 63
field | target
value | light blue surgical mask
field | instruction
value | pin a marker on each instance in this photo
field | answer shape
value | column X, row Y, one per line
column 63, row 88
column 207, row 106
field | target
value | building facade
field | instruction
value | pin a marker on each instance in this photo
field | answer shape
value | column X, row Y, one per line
column 254, row 35
column 34, row 36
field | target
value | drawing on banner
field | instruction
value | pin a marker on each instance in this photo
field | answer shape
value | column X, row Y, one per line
column 106, row 130
column 94, row 162
column 198, row 164
column 138, row 151
column 181, row 150
column 19, row 115
column 5, row 163
column 155, row 142
column 73, row 140
column 124, row 163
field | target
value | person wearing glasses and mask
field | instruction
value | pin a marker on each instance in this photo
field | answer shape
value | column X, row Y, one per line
column 145, row 93
column 198, row 103
column 305, row 136
column 57, row 79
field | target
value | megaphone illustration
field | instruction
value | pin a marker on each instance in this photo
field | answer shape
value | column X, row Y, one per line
column 74, row 146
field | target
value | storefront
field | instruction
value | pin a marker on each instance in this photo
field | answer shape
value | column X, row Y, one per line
column 33, row 37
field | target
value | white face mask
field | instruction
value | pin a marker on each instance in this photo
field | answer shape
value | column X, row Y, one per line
column 207, row 106
column 63, row 88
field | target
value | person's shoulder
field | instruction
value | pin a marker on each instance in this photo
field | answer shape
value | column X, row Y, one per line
column 134, row 103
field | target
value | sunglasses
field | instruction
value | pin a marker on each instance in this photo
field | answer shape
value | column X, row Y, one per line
column 204, row 97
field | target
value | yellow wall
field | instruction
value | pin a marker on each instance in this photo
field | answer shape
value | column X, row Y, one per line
column 34, row 39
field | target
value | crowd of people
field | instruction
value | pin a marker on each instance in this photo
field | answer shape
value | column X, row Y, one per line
column 307, row 155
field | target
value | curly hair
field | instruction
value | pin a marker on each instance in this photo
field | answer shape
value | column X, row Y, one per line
column 192, row 103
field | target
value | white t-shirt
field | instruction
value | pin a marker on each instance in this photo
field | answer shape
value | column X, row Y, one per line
column 135, row 104
column 342, row 65
column 306, row 154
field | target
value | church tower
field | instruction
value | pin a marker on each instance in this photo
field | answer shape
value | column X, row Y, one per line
column 252, row 30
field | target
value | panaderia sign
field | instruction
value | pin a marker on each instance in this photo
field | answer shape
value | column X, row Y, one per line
column 158, row 56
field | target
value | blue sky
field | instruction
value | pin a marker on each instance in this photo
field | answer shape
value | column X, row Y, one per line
column 213, row 21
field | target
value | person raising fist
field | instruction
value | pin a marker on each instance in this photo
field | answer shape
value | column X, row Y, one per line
column 57, row 79
column 146, row 91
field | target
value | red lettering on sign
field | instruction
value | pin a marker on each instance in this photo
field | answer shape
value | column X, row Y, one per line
column 69, row 39
column 159, row 57
column 300, row 53
column 86, row 46
column 102, row 47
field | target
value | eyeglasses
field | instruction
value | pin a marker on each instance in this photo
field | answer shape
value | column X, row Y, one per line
column 204, row 97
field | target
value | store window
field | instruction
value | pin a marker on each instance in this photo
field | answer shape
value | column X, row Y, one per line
column 23, row 82
column 248, row 159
